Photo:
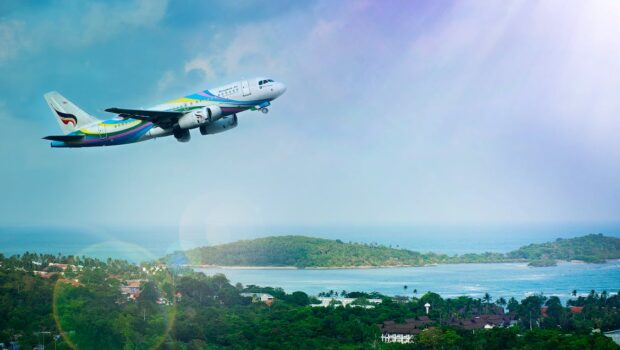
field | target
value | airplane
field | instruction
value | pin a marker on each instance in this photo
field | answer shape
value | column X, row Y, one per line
column 211, row 111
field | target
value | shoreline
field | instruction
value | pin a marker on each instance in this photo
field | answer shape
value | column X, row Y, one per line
column 367, row 267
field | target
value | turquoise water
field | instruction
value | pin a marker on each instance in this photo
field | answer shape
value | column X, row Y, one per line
column 498, row 280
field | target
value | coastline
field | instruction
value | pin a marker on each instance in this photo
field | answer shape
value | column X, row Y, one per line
column 367, row 267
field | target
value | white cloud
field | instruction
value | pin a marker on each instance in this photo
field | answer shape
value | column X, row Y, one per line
column 12, row 38
column 164, row 83
column 202, row 65
column 84, row 24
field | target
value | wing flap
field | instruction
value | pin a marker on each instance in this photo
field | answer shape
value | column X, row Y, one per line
column 145, row 114
column 164, row 119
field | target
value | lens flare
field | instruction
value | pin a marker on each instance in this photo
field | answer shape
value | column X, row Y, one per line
column 95, row 300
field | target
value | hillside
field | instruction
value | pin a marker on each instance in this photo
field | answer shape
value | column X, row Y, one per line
column 302, row 252
column 591, row 248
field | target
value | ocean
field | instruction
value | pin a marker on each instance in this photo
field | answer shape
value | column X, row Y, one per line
column 505, row 280
column 499, row 280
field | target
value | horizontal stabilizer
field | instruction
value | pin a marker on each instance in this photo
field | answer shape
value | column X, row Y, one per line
column 64, row 138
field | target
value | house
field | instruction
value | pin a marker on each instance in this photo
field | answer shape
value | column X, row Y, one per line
column 132, row 288
column 572, row 309
column 334, row 301
column 484, row 321
column 575, row 309
column 73, row 282
column 403, row 333
column 163, row 301
column 45, row 274
column 259, row 297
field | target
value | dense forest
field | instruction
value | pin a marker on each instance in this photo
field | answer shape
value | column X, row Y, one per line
column 305, row 252
column 69, row 302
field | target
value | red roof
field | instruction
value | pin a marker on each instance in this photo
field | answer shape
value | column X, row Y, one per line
column 573, row 309
column 576, row 309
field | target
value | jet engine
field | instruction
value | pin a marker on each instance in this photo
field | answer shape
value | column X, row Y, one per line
column 182, row 135
column 220, row 125
column 199, row 117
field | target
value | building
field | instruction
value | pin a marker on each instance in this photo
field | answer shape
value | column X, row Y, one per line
column 63, row 267
column 335, row 301
column 131, row 288
column 484, row 321
column 259, row 297
column 573, row 310
column 403, row 333
column 45, row 274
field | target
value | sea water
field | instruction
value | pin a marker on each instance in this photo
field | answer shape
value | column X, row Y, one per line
column 505, row 280
column 499, row 280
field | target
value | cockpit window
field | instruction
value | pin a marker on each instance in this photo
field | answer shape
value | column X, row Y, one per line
column 270, row 81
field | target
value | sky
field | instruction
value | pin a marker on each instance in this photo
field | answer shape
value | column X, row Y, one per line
column 397, row 114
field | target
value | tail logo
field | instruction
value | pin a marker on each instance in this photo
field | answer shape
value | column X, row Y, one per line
column 66, row 118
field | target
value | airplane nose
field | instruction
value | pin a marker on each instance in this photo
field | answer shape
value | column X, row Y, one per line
column 280, row 89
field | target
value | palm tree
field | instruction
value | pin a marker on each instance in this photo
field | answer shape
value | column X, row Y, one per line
column 501, row 302
column 405, row 288
column 415, row 291
column 574, row 292
column 487, row 300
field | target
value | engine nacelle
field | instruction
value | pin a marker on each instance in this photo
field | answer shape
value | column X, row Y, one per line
column 182, row 135
column 199, row 117
column 213, row 113
column 218, row 126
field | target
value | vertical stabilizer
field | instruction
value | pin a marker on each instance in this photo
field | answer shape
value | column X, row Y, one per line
column 70, row 117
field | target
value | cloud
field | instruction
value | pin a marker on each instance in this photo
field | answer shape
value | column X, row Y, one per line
column 202, row 65
column 12, row 40
column 83, row 24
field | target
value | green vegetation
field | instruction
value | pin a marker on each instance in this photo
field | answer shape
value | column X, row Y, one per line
column 544, row 262
column 206, row 312
column 307, row 252
column 591, row 249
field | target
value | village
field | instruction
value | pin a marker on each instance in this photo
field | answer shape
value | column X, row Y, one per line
column 470, row 315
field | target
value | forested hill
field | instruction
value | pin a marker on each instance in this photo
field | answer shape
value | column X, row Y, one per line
column 591, row 248
column 301, row 251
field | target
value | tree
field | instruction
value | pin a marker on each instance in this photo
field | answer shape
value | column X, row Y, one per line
column 555, row 311
column 501, row 302
column 299, row 298
column 529, row 310
column 431, row 338
column 513, row 305
column 487, row 301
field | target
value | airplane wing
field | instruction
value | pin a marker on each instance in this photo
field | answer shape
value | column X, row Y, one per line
column 64, row 138
column 164, row 119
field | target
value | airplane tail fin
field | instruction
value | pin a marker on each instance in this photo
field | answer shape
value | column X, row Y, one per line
column 70, row 117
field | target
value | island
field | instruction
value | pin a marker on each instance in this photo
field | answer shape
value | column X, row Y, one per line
column 310, row 252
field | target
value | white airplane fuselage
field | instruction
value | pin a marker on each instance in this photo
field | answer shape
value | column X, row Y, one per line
column 212, row 111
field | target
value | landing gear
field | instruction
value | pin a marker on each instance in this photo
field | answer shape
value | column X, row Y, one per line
column 264, row 110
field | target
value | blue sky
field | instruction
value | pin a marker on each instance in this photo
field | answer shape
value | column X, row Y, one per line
column 396, row 114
